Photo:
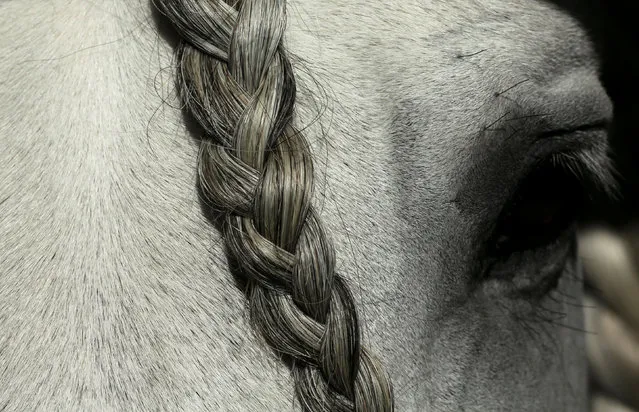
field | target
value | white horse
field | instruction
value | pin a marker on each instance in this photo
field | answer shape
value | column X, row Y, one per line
column 433, row 125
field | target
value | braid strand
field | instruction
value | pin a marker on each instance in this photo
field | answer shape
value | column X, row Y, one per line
column 257, row 171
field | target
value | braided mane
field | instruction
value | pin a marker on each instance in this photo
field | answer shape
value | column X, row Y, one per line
column 256, row 169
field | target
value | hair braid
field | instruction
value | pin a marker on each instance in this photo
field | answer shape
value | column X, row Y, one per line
column 256, row 169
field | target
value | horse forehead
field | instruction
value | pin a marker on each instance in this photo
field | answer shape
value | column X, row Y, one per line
column 377, row 61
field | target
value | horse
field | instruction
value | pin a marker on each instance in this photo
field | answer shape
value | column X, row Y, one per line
column 281, row 206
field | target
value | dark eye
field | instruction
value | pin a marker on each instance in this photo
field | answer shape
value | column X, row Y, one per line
column 545, row 205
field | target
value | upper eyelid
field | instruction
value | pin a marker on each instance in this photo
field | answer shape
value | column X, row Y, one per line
column 593, row 175
column 486, row 188
column 583, row 151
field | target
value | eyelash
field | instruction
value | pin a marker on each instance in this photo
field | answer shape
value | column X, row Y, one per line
column 559, row 185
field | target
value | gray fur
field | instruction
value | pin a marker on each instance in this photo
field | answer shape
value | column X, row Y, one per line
column 115, row 292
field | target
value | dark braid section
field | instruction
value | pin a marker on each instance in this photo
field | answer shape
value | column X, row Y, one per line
column 256, row 170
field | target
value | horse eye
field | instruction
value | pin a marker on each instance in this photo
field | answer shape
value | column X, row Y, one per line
column 544, row 207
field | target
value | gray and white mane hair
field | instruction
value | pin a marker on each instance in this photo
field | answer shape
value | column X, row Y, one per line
column 256, row 171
